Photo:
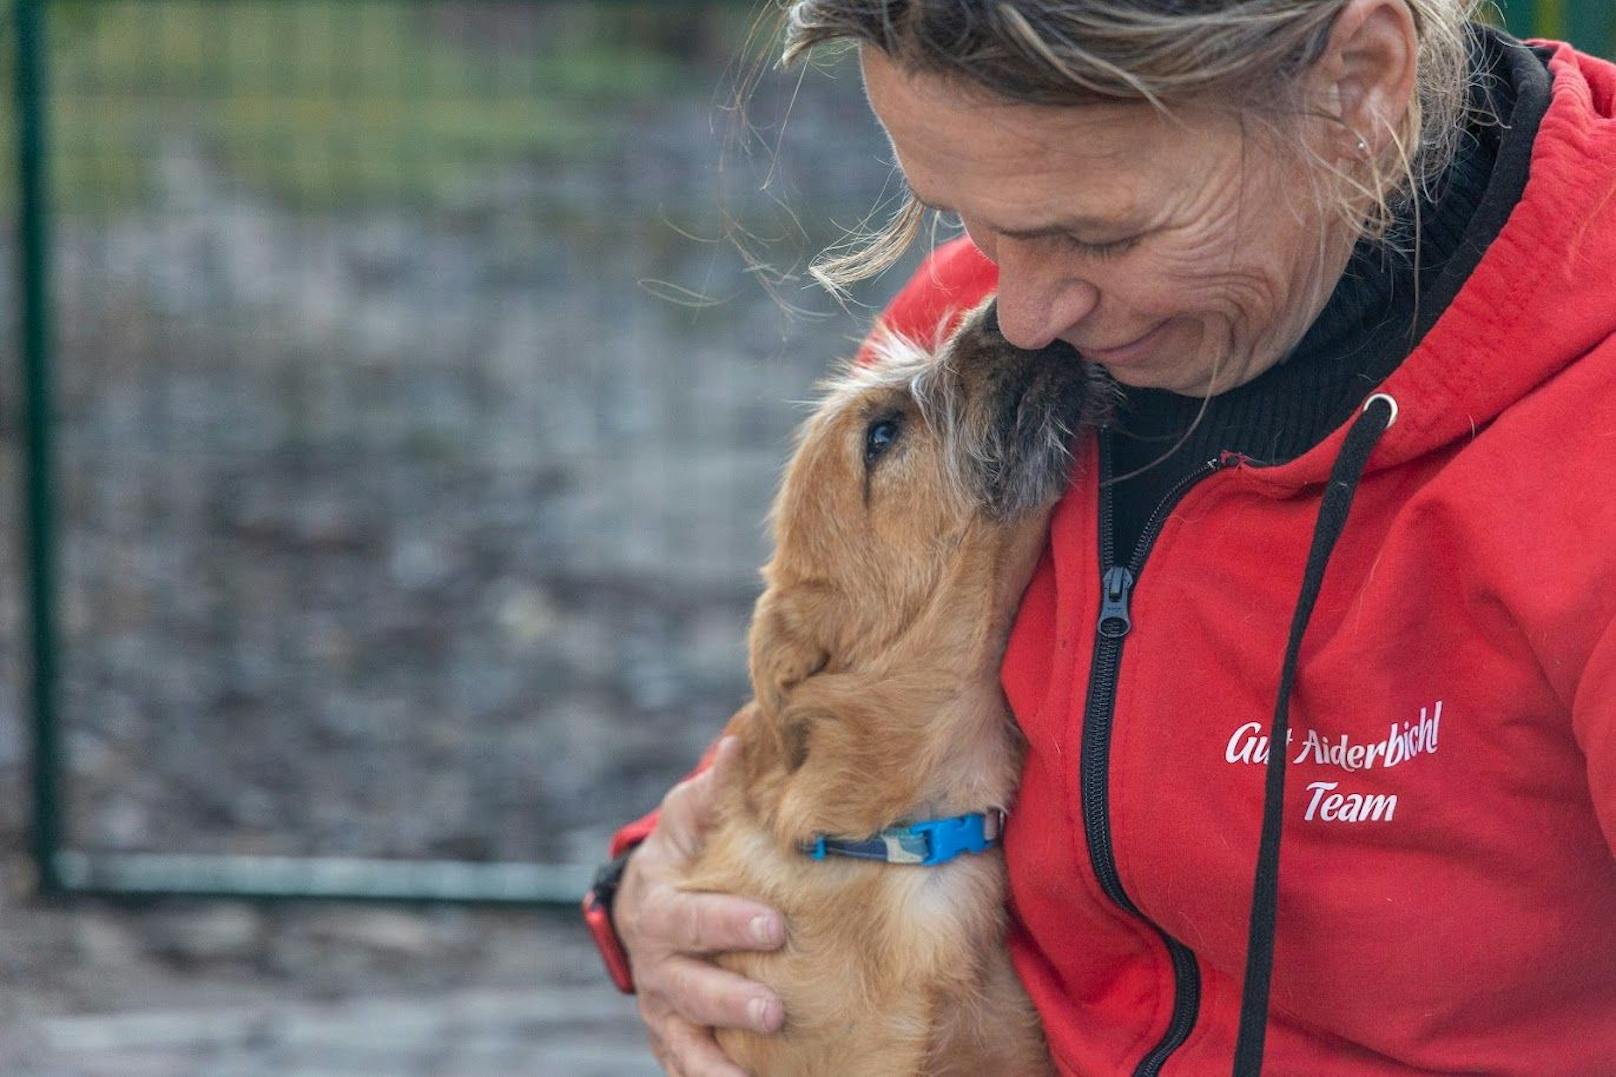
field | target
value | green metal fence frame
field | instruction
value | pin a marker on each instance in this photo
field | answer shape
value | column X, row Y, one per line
column 65, row 872
column 39, row 517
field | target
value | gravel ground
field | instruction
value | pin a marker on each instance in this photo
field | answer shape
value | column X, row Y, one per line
column 401, row 534
column 219, row 988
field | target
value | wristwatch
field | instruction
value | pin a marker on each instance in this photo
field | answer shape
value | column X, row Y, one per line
column 598, row 916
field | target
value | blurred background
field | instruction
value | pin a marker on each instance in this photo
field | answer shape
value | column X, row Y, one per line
column 413, row 405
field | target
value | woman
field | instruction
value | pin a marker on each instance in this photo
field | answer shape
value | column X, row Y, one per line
column 1353, row 254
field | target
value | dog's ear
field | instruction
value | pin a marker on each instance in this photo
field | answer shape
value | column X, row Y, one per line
column 841, row 728
column 787, row 644
column 795, row 728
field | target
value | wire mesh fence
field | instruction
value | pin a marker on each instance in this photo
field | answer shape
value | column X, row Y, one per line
column 413, row 422
column 413, row 427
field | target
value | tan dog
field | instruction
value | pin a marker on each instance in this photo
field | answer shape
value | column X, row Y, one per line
column 908, row 523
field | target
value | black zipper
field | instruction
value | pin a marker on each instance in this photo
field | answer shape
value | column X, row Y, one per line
column 1117, row 583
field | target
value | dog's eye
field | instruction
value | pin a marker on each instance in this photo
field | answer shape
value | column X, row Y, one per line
column 879, row 438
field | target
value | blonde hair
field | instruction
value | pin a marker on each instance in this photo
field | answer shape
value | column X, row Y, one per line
column 1248, row 55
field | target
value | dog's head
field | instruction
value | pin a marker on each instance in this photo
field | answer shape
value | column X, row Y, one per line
column 909, row 485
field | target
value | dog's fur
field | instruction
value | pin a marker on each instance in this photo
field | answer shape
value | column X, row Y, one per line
column 875, row 651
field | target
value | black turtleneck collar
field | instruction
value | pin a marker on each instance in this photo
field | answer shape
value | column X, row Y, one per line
column 1378, row 312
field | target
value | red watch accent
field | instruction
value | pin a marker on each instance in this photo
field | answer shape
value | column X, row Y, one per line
column 606, row 940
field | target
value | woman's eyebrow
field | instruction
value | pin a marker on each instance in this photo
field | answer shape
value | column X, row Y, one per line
column 1063, row 226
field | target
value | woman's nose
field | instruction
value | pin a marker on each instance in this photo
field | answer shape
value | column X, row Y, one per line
column 1037, row 301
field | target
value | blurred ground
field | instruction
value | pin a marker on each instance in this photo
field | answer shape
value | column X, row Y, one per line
column 211, row 989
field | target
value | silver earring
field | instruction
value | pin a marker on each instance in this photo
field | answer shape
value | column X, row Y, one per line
column 1363, row 147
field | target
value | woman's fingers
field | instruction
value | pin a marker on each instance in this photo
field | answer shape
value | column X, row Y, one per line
column 709, row 996
column 666, row 930
column 710, row 923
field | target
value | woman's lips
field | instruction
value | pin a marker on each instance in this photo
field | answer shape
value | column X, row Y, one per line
column 1123, row 354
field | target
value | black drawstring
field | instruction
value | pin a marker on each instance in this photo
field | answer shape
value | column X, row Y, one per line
column 1377, row 415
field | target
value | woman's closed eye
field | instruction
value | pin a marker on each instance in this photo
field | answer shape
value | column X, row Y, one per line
column 1109, row 249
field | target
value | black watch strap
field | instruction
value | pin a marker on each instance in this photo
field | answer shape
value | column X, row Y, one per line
column 597, row 910
column 608, row 877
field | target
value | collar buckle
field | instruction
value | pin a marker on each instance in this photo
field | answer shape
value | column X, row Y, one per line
column 948, row 838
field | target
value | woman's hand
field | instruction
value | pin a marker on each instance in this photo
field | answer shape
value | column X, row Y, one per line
column 667, row 932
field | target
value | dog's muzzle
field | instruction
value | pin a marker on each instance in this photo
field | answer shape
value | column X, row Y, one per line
column 1034, row 404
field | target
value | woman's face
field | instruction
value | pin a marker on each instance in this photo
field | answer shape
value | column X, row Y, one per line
column 1177, row 253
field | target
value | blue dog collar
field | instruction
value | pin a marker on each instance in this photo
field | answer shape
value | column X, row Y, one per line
column 928, row 843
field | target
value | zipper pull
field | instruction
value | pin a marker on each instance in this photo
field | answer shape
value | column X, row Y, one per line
column 1116, row 585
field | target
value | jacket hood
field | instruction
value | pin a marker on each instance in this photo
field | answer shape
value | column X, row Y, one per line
column 1539, row 299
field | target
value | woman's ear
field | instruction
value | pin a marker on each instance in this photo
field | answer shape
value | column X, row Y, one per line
column 787, row 642
column 1366, row 75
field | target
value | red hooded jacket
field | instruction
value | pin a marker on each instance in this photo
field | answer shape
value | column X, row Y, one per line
column 1447, row 893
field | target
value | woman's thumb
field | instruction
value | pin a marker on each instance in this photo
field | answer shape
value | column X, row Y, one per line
column 688, row 811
